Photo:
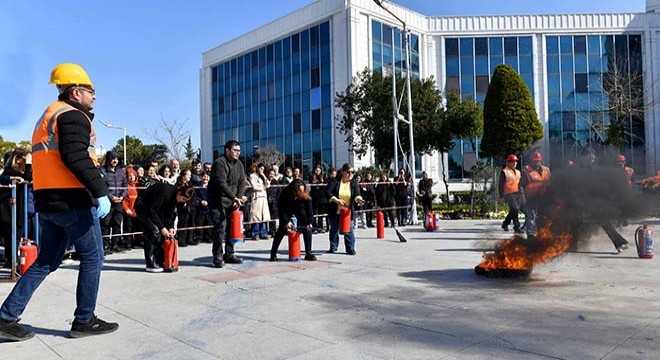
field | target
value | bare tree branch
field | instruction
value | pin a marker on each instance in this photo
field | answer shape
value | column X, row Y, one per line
column 171, row 133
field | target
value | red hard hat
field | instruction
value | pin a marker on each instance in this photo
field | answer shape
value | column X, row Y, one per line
column 621, row 158
column 536, row 156
column 512, row 157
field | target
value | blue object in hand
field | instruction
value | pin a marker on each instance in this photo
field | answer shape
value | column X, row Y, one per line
column 104, row 207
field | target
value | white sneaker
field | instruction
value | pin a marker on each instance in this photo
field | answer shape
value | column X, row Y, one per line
column 620, row 249
column 155, row 269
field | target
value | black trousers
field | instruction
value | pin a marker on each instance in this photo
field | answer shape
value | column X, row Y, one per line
column 186, row 220
column 282, row 230
column 427, row 203
column 153, row 244
column 319, row 208
column 112, row 221
column 203, row 219
column 515, row 202
column 221, row 218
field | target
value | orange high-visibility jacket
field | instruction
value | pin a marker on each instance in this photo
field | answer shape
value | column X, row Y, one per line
column 48, row 170
column 511, row 180
column 538, row 183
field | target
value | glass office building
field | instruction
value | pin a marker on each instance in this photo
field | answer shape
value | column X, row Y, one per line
column 469, row 65
column 276, row 85
column 584, row 74
column 279, row 95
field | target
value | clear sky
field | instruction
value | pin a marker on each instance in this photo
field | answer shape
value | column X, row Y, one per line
column 144, row 56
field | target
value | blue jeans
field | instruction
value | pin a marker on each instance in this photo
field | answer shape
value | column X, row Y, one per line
column 349, row 239
column 260, row 230
column 81, row 228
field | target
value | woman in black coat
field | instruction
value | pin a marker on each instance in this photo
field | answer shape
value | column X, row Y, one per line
column 295, row 201
column 343, row 193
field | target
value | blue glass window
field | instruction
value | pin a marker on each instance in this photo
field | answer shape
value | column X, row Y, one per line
column 466, row 47
column 580, row 63
column 315, row 98
column 526, row 64
column 495, row 46
column 481, row 65
column 579, row 44
column 467, row 66
column 593, row 42
column 553, row 63
column 481, row 46
column 452, row 65
column 511, row 46
column 566, row 63
column 566, row 44
column 525, row 45
column 451, row 47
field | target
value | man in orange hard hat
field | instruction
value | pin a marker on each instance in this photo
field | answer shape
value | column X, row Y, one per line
column 70, row 196
column 509, row 189
column 535, row 182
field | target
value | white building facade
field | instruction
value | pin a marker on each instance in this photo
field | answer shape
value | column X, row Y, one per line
column 275, row 85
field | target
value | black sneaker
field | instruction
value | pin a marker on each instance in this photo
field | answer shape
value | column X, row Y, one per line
column 505, row 227
column 12, row 330
column 233, row 259
column 218, row 263
column 95, row 327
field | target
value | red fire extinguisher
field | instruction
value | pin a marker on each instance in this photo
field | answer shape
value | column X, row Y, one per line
column 28, row 256
column 644, row 241
column 380, row 225
column 294, row 245
column 429, row 223
column 344, row 221
column 236, row 234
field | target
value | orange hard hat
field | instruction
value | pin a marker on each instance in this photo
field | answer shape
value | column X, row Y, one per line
column 621, row 158
column 536, row 156
column 512, row 157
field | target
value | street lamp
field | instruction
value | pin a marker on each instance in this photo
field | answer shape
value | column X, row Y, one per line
column 409, row 121
column 109, row 126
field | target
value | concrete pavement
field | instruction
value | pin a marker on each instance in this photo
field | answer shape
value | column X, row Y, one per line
column 415, row 300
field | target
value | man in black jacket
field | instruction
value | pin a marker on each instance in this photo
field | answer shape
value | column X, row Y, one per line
column 64, row 177
column 226, row 194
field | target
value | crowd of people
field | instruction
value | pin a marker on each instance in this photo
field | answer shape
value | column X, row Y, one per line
column 123, row 228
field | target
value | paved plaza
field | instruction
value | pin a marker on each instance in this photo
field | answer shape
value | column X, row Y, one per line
column 414, row 300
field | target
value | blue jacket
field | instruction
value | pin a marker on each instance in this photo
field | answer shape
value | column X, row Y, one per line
column 115, row 179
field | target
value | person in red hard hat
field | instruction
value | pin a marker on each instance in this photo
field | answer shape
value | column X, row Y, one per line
column 535, row 182
column 509, row 190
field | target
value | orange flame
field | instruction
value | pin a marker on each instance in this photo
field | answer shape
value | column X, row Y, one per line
column 520, row 254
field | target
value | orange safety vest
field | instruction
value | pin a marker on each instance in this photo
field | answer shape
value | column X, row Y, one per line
column 511, row 180
column 538, row 183
column 48, row 170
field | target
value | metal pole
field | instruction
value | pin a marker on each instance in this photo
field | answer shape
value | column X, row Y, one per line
column 125, row 158
column 410, row 125
column 13, row 231
column 25, row 210
column 395, row 111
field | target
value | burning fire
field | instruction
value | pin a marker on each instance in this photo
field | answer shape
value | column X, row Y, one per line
column 518, row 253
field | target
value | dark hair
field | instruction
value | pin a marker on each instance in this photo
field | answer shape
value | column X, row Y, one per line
column 294, row 189
column 161, row 170
column 185, row 191
column 346, row 167
column 230, row 144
